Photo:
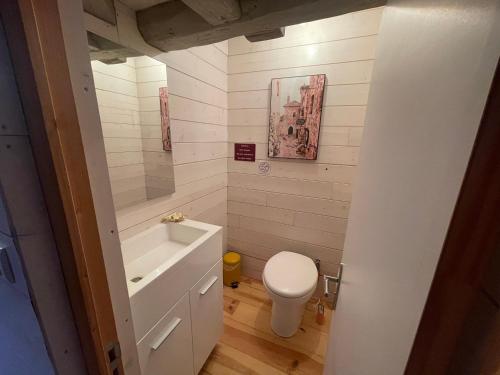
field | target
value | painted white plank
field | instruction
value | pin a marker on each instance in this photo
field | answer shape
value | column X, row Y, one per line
column 145, row 61
column 191, row 110
column 186, row 86
column 110, row 83
column 261, row 212
column 193, row 152
column 124, row 71
column 151, row 131
column 321, row 222
column 112, row 130
column 312, row 236
column 337, row 74
column 348, row 25
column 137, row 218
column 158, row 158
column 116, row 100
column 152, row 73
column 352, row 94
column 191, row 172
column 122, row 145
column 222, row 46
column 159, row 170
column 246, row 196
column 117, row 173
column 129, row 198
column 187, row 131
column 150, row 88
column 116, row 159
column 186, row 62
column 326, row 53
column 299, row 169
column 305, row 188
column 328, row 207
column 117, row 115
column 351, row 115
column 253, row 134
column 126, row 184
column 211, row 55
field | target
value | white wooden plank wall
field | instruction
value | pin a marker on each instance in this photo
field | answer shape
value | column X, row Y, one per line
column 116, row 89
column 300, row 206
column 197, row 83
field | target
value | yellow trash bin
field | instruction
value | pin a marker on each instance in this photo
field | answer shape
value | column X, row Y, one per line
column 232, row 268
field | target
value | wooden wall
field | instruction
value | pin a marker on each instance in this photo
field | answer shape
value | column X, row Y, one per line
column 197, row 82
column 301, row 206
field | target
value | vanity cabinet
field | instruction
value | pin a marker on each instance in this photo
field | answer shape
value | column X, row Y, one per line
column 180, row 343
column 174, row 274
column 168, row 347
column 207, row 309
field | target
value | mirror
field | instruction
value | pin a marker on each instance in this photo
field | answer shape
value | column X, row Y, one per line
column 132, row 95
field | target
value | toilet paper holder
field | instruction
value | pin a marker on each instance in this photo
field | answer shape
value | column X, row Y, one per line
column 337, row 280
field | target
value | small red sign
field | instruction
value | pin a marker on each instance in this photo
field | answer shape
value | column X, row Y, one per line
column 244, row 151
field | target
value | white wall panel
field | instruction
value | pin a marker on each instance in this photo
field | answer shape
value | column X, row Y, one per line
column 298, row 205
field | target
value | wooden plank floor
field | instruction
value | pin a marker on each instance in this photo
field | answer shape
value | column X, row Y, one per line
column 249, row 346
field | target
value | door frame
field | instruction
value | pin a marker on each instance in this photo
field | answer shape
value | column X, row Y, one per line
column 35, row 37
column 472, row 238
column 34, row 34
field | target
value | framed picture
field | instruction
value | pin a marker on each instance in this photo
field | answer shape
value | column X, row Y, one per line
column 295, row 116
column 165, row 120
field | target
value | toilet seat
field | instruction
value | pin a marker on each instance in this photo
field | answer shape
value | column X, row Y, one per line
column 290, row 275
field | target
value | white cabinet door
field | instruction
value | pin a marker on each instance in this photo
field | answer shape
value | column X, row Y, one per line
column 206, row 314
column 167, row 349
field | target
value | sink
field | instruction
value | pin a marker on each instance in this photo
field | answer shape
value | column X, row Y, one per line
column 155, row 250
column 163, row 263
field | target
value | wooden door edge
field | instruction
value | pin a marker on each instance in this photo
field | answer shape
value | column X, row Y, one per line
column 35, row 37
column 472, row 237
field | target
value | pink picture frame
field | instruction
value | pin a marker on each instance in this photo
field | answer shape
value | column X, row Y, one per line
column 295, row 116
column 165, row 120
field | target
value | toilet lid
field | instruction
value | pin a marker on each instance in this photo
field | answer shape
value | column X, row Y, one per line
column 290, row 274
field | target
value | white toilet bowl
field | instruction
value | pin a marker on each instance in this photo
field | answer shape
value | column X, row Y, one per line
column 290, row 280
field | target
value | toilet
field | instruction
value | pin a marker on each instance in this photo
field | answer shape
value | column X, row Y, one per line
column 290, row 280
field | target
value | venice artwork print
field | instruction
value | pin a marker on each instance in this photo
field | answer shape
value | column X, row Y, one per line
column 295, row 116
column 165, row 120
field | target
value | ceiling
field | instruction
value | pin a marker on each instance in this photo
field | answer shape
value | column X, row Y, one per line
column 179, row 24
column 141, row 4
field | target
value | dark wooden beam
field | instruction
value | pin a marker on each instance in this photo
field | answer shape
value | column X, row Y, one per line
column 216, row 12
column 173, row 25
column 266, row 35
column 102, row 9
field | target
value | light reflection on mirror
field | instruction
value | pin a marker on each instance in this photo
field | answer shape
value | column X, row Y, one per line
column 135, row 122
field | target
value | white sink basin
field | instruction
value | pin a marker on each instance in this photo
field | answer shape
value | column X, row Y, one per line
column 155, row 250
column 163, row 262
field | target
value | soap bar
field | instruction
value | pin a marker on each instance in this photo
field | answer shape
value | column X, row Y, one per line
column 174, row 218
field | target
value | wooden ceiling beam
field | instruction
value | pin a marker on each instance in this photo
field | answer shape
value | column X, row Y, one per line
column 266, row 35
column 173, row 25
column 216, row 12
column 102, row 9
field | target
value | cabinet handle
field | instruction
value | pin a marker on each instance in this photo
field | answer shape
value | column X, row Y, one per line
column 205, row 289
column 170, row 328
